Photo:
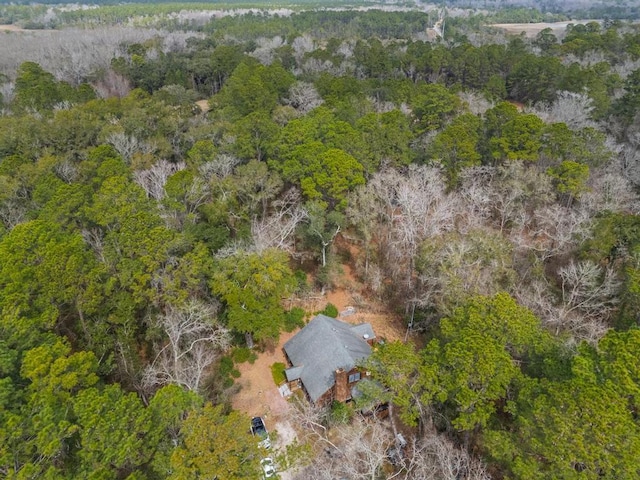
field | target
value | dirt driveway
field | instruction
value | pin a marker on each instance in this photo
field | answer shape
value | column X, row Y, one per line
column 258, row 395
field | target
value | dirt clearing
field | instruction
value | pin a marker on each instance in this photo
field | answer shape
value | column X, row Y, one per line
column 258, row 394
column 204, row 105
column 532, row 29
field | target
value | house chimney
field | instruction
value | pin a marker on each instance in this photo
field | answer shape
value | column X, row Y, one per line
column 342, row 393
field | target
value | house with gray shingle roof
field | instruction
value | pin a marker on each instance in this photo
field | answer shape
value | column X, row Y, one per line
column 324, row 357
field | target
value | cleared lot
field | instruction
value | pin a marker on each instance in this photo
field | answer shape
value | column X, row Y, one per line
column 532, row 29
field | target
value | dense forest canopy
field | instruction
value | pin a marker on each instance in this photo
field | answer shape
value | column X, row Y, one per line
column 169, row 191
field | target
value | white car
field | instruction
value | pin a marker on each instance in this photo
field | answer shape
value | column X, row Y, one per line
column 268, row 467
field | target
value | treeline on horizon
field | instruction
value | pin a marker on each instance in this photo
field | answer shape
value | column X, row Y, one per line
column 483, row 12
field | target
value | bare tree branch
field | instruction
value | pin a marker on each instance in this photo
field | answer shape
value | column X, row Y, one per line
column 155, row 178
column 304, row 97
column 128, row 145
column 221, row 166
column 276, row 230
column 435, row 457
column 194, row 341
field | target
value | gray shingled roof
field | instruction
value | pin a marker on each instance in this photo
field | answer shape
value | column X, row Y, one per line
column 363, row 329
column 321, row 347
column 293, row 373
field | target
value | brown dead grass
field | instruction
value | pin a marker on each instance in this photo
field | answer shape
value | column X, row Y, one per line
column 12, row 28
column 204, row 105
column 258, row 394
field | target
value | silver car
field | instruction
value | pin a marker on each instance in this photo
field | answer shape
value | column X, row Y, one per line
column 268, row 467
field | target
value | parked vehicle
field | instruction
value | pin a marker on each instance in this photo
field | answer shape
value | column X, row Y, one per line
column 259, row 429
column 268, row 467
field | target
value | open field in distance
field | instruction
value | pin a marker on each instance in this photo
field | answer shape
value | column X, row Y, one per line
column 532, row 29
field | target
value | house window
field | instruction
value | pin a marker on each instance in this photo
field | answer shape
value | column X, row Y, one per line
column 354, row 377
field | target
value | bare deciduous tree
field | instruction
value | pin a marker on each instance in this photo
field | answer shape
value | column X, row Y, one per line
column 588, row 295
column 588, row 290
column 365, row 447
column 571, row 108
column 364, row 211
column 609, row 191
column 508, row 193
column 537, row 297
column 128, row 145
column 155, row 178
column 194, row 341
column 7, row 92
column 13, row 212
column 552, row 230
column 415, row 207
column 346, row 48
column 476, row 102
column 381, row 106
column 477, row 194
column 112, row 84
column 95, row 239
column 302, row 45
column 276, row 229
column 75, row 54
column 435, row 457
column 312, row 420
column 265, row 50
column 197, row 195
column 363, row 450
column 221, row 166
column 456, row 266
column 304, row 97
column 359, row 453
column 66, row 170
column 321, row 229
column 587, row 59
column 624, row 69
column 184, row 207
column 315, row 65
